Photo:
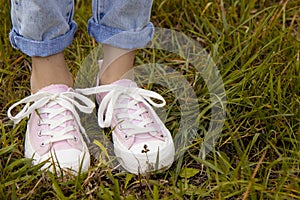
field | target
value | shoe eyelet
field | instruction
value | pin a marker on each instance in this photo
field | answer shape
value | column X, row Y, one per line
column 42, row 144
column 75, row 139
column 40, row 133
column 39, row 123
column 161, row 135
column 126, row 136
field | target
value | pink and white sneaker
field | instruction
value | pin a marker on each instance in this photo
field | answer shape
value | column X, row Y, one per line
column 54, row 129
column 142, row 143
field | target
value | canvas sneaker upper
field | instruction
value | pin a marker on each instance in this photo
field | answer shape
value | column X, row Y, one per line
column 142, row 143
column 54, row 131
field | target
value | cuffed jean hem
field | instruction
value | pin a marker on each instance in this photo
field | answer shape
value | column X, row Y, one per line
column 119, row 38
column 42, row 48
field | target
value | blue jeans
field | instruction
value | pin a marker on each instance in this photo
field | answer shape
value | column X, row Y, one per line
column 46, row 27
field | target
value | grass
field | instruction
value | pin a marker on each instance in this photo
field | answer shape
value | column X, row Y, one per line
column 256, row 47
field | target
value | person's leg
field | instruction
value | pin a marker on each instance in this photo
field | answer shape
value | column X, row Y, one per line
column 142, row 143
column 49, row 70
column 116, row 63
column 42, row 30
column 122, row 26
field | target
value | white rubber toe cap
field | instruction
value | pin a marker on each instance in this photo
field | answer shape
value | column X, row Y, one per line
column 69, row 159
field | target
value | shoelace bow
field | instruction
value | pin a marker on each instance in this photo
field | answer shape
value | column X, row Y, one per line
column 67, row 103
column 112, row 100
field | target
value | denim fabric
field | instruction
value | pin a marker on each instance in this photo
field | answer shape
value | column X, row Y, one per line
column 46, row 27
column 42, row 27
column 121, row 23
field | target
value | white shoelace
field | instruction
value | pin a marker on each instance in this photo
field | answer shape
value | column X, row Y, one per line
column 66, row 102
column 113, row 100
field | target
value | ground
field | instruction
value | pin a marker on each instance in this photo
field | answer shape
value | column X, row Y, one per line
column 256, row 48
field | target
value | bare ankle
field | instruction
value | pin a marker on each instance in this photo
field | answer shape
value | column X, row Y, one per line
column 49, row 70
column 117, row 62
